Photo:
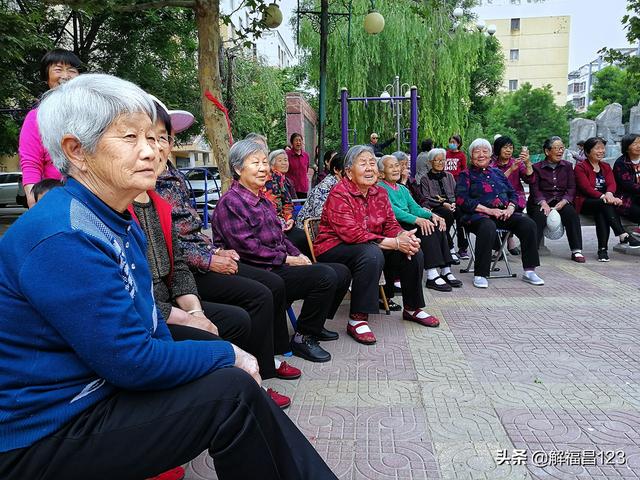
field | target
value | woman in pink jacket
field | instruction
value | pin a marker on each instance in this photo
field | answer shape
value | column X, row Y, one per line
column 56, row 67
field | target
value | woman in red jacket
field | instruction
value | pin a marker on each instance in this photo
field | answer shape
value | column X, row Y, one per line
column 595, row 186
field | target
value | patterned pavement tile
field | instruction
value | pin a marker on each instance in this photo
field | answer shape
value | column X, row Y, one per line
column 466, row 460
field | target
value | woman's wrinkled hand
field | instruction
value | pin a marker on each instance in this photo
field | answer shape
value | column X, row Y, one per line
column 247, row 362
column 224, row 265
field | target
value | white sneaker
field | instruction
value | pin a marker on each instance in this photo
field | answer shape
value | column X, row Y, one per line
column 532, row 278
column 480, row 282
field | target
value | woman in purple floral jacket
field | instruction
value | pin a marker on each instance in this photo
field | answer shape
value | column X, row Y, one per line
column 626, row 171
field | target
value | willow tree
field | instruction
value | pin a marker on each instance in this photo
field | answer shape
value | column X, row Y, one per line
column 421, row 44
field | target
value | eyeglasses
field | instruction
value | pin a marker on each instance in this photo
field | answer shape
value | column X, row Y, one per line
column 557, row 148
column 374, row 138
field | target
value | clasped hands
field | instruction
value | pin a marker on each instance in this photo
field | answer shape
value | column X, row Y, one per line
column 407, row 242
column 502, row 214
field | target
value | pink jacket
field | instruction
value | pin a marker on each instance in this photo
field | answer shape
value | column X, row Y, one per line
column 35, row 161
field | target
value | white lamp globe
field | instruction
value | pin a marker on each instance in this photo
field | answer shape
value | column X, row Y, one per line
column 373, row 23
column 458, row 12
column 481, row 25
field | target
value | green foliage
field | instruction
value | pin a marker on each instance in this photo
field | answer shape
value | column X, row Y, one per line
column 631, row 23
column 259, row 98
column 529, row 116
column 420, row 44
column 613, row 84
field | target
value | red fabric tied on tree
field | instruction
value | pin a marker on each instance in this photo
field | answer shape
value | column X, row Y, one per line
column 224, row 110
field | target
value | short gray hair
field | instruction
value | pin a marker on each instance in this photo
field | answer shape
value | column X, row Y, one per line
column 382, row 159
column 240, row 151
column 275, row 154
column 432, row 154
column 401, row 156
column 480, row 143
column 354, row 152
column 85, row 107
column 256, row 137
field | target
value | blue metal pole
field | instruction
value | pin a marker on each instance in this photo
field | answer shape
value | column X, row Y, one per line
column 414, row 128
column 344, row 119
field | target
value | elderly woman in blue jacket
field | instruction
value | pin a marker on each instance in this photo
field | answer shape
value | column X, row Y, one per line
column 91, row 380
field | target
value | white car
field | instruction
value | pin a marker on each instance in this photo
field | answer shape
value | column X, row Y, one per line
column 203, row 190
column 9, row 186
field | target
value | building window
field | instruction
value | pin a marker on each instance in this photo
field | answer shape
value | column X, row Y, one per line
column 513, row 85
column 514, row 54
column 515, row 24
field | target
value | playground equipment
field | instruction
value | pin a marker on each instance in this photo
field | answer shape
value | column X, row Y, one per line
column 413, row 99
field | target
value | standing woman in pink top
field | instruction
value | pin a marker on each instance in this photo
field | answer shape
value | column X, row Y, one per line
column 298, row 166
column 56, row 67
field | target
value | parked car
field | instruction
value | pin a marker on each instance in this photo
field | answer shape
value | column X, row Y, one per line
column 203, row 190
column 10, row 184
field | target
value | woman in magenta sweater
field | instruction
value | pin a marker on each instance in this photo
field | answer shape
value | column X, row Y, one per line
column 56, row 67
column 594, row 196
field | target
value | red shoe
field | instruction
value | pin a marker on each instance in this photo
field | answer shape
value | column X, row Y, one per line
column 287, row 372
column 578, row 257
column 173, row 474
column 367, row 338
column 281, row 400
column 429, row 321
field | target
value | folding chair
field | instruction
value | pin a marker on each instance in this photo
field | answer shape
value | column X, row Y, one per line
column 503, row 238
column 311, row 231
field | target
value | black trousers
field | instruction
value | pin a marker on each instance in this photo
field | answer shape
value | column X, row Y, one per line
column 366, row 261
column 136, row 435
column 321, row 286
column 633, row 213
column 606, row 217
column 449, row 219
column 234, row 323
column 262, row 295
column 299, row 239
column 485, row 230
column 570, row 220
column 435, row 247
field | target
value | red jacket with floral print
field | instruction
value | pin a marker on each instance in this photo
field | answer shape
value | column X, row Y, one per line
column 350, row 217
column 627, row 183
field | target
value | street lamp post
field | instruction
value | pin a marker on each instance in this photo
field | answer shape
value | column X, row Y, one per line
column 396, row 105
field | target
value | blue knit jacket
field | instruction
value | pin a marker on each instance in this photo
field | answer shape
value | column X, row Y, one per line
column 77, row 317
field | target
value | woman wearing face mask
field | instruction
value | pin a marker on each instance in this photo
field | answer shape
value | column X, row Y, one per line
column 595, row 186
column 456, row 160
column 626, row 172
column 56, row 67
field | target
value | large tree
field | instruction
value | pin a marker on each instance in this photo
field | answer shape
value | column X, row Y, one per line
column 421, row 44
column 613, row 84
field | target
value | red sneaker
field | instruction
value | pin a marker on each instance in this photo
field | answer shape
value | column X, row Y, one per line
column 287, row 372
column 173, row 474
column 429, row 321
column 367, row 338
column 281, row 400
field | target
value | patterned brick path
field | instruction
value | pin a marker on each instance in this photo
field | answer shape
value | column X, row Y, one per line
column 550, row 373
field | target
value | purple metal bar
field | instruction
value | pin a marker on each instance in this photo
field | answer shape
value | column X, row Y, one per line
column 375, row 99
column 344, row 119
column 414, row 128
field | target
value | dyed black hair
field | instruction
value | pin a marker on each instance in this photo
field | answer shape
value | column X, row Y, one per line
column 293, row 137
column 163, row 116
column 327, row 155
column 337, row 163
column 626, row 141
column 426, row 145
column 43, row 186
column 592, row 142
column 580, row 143
column 56, row 56
column 500, row 142
column 458, row 139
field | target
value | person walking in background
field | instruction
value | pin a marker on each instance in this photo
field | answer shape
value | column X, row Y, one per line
column 456, row 160
column 298, row 166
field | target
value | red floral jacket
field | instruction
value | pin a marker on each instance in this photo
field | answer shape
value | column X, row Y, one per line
column 627, row 183
column 350, row 217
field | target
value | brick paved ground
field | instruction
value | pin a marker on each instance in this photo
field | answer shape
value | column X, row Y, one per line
column 541, row 369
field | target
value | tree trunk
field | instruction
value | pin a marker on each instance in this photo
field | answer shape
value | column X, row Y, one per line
column 208, row 22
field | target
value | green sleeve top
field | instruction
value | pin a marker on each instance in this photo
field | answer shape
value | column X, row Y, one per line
column 404, row 206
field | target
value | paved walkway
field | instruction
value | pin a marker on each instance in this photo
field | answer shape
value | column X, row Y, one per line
column 548, row 373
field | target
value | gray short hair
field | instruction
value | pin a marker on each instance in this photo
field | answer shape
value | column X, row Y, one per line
column 354, row 152
column 275, row 154
column 382, row 159
column 241, row 150
column 480, row 143
column 432, row 154
column 401, row 156
column 85, row 107
column 256, row 137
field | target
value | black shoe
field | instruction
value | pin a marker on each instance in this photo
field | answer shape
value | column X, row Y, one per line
column 454, row 259
column 327, row 335
column 309, row 349
column 451, row 280
column 514, row 251
column 631, row 241
column 603, row 255
column 445, row 287
column 393, row 306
